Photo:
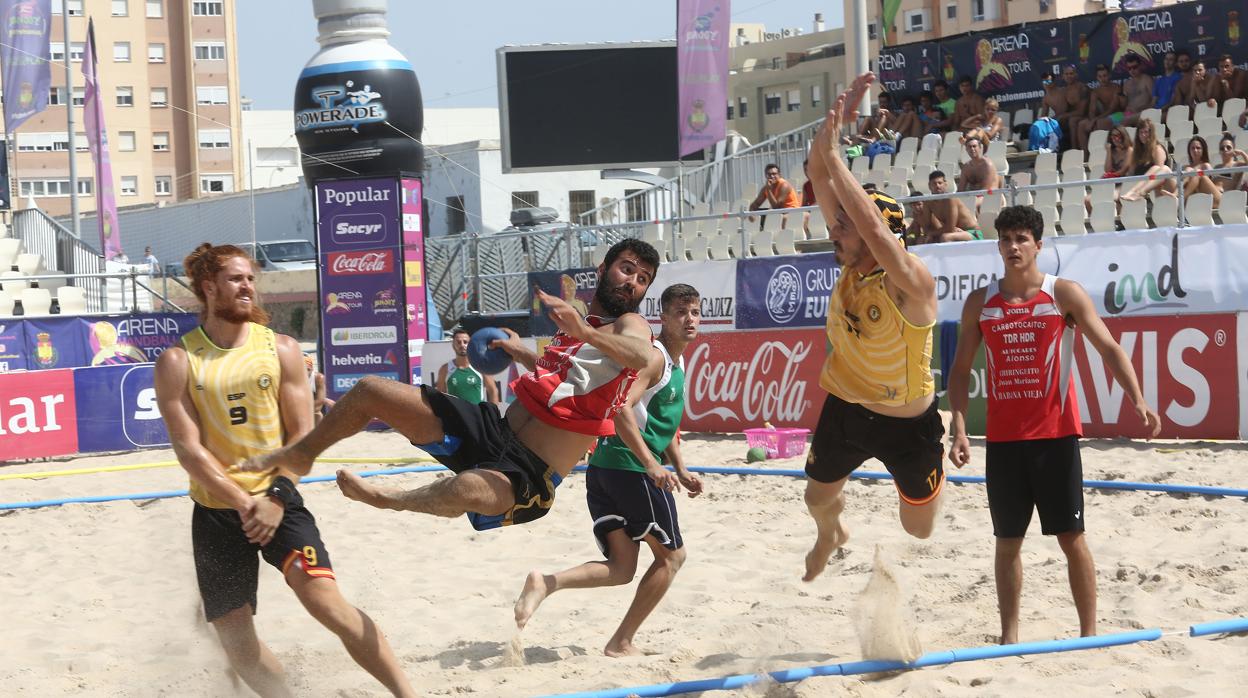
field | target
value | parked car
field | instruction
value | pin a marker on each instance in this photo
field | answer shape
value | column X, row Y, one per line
column 283, row 255
column 544, row 219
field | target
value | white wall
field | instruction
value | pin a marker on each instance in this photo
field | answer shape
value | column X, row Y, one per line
column 269, row 129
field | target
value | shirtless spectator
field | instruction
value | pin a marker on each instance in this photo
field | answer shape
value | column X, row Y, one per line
column 1138, row 89
column 1183, row 89
column 908, row 123
column 1204, row 87
column 970, row 104
column 1232, row 82
column 1165, row 84
column 944, row 220
column 978, row 172
column 1105, row 107
column 1054, row 98
column 876, row 126
column 1073, row 104
column 985, row 126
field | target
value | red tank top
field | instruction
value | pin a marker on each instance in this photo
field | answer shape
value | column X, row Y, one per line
column 575, row 386
column 1030, row 357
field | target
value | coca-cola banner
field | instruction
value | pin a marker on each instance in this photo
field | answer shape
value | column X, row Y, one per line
column 790, row 291
column 739, row 380
column 715, row 281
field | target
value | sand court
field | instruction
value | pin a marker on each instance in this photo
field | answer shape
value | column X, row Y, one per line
column 100, row 599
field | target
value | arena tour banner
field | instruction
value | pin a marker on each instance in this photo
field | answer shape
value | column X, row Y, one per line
column 68, row 342
column 370, row 279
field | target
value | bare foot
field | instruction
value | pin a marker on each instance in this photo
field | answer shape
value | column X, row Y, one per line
column 354, row 487
column 1130, row 196
column 622, row 648
column 534, row 593
column 819, row 555
column 285, row 457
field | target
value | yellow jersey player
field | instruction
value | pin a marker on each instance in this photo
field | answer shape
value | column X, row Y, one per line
column 881, row 396
column 232, row 389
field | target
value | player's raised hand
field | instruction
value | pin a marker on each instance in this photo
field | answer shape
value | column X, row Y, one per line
column 565, row 317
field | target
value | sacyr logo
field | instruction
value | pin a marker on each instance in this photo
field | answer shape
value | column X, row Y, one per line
column 784, row 293
column 342, row 106
column 1127, row 290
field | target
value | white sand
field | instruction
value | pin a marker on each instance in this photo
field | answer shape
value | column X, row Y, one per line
column 100, row 599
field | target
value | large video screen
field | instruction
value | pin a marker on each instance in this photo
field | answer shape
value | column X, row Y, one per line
column 588, row 107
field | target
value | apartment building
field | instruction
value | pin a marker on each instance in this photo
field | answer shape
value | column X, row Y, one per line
column 169, row 76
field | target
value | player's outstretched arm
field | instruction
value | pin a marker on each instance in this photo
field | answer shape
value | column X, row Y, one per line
column 626, row 341
column 173, row 399
column 969, row 339
column 1072, row 299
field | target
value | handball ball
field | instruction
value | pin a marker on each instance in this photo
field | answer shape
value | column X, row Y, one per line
column 756, row 455
column 482, row 357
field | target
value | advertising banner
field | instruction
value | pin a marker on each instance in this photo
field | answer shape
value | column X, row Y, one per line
column 576, row 286
column 25, row 59
column 12, row 346
column 715, row 282
column 123, row 415
column 70, row 342
column 37, row 415
column 362, row 284
column 97, row 141
column 702, row 28
column 416, row 310
column 781, row 292
column 54, row 342
column 909, row 69
column 1000, row 63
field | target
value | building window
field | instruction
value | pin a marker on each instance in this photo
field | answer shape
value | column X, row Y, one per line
column 771, row 103
column 41, row 142
column 635, row 208
column 56, row 96
column 77, row 49
column 164, row 186
column 160, row 97
column 213, row 139
column 125, row 140
column 524, row 199
column 210, row 8
column 210, row 51
column 816, row 95
column 75, row 7
column 56, row 50
column 155, row 53
column 871, row 30
column 742, row 107
column 54, row 187
column 579, row 202
column 80, row 96
column 916, row 21
column 129, row 186
column 212, row 95
column 983, row 10
column 951, row 12
column 277, row 157
column 731, row 109
column 121, row 51
column 794, row 100
column 216, row 184
column 125, row 96
column 120, row 8
column 155, row 8
column 455, row 218
column 160, row 140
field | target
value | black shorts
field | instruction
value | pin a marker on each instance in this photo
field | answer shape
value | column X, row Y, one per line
column 478, row 437
column 909, row 447
column 629, row 500
column 1046, row 474
column 226, row 565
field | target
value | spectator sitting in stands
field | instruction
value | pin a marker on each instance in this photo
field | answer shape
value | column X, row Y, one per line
column 1183, row 88
column 943, row 99
column 1232, row 82
column 932, row 117
column 1200, row 183
column 1138, row 90
column 777, row 193
column 1148, row 157
column 970, row 104
column 1231, row 157
column 1105, row 107
column 878, row 126
column 1073, row 105
column 985, row 126
column 944, row 220
column 1164, row 85
column 1243, row 119
column 1117, row 159
column 978, row 172
column 907, row 122
column 1204, row 86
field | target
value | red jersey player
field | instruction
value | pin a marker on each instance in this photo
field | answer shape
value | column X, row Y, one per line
column 1027, row 320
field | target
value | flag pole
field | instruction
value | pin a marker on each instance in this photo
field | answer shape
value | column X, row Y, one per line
column 69, row 123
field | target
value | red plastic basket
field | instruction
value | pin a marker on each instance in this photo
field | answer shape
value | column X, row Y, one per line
column 778, row 443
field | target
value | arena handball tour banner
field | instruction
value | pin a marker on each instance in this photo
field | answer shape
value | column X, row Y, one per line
column 1009, row 63
column 69, row 342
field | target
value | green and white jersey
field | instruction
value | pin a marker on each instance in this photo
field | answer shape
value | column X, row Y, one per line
column 465, row 383
column 658, row 414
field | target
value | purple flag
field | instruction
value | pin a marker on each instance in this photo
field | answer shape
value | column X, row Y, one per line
column 97, row 138
column 702, row 72
column 24, row 54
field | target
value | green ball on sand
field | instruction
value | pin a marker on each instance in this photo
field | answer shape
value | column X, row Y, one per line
column 756, row 455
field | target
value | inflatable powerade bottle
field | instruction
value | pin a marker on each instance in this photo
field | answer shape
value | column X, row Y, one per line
column 357, row 102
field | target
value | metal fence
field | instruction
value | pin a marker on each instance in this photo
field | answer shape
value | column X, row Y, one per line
column 62, row 251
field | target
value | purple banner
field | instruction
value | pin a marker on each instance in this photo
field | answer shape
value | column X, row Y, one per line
column 576, row 286
column 702, row 72
column 117, row 409
column 363, row 328
column 25, row 56
column 785, row 292
column 413, row 265
column 72, row 342
column 97, row 139
column 12, row 346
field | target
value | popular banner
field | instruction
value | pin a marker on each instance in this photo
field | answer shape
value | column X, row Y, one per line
column 702, row 28
column 26, row 59
column 37, row 415
column 715, row 282
column 123, row 415
column 780, row 292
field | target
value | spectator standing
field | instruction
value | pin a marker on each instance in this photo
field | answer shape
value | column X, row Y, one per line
column 150, row 260
column 808, row 196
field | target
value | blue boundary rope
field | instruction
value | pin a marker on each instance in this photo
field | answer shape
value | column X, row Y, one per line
column 861, row 475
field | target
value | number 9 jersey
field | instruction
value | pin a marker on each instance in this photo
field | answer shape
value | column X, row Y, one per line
column 235, row 392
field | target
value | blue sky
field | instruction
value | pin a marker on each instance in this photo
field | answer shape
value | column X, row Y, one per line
column 452, row 44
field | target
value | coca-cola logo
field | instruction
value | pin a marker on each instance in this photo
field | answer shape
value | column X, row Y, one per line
column 350, row 263
column 765, row 387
